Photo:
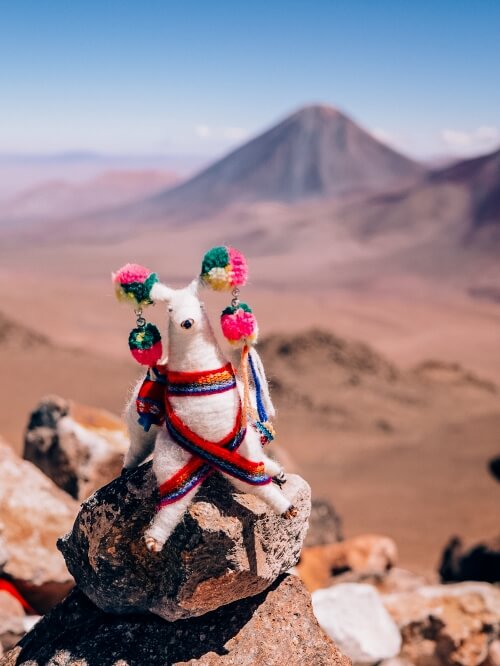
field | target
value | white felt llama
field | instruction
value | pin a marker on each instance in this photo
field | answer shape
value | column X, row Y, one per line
column 204, row 399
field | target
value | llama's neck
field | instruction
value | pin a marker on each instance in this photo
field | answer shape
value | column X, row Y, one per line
column 196, row 351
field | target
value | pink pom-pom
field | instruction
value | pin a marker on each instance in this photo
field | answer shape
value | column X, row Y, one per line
column 149, row 356
column 241, row 326
column 239, row 268
column 131, row 273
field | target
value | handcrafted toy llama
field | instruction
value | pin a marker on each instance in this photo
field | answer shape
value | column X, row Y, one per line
column 196, row 412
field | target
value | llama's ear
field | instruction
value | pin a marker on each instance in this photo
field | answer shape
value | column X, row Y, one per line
column 160, row 293
column 193, row 286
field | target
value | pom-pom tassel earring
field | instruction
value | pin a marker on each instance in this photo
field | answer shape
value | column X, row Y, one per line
column 225, row 269
column 133, row 283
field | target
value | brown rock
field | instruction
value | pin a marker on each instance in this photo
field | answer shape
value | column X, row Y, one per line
column 387, row 582
column 228, row 546
column 447, row 624
column 366, row 554
column 12, row 616
column 33, row 514
column 80, row 448
column 273, row 628
column 325, row 525
column 493, row 654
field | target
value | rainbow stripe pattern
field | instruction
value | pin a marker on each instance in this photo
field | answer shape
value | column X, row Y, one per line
column 200, row 383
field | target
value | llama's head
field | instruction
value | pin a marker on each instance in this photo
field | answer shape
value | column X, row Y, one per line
column 185, row 310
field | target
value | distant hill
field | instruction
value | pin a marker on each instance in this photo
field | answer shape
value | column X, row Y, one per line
column 446, row 225
column 14, row 334
column 480, row 176
column 317, row 152
column 56, row 199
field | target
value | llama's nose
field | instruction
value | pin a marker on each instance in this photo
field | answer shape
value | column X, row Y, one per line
column 187, row 323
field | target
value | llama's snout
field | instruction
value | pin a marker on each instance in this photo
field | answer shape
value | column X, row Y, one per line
column 187, row 323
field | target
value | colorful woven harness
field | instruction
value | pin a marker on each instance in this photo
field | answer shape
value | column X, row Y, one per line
column 154, row 407
column 200, row 383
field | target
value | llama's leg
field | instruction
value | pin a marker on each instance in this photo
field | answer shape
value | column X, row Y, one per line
column 269, row 493
column 251, row 448
column 141, row 442
column 168, row 459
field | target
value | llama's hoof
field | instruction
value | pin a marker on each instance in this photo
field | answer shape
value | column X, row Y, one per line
column 152, row 544
column 280, row 479
column 291, row 512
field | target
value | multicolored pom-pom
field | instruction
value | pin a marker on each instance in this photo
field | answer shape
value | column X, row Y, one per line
column 224, row 268
column 145, row 344
column 239, row 325
column 133, row 283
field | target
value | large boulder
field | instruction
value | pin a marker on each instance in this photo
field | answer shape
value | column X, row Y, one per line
column 366, row 555
column 354, row 616
column 33, row 514
column 447, row 624
column 229, row 545
column 80, row 448
column 273, row 628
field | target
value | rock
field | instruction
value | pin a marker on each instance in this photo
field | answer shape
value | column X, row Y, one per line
column 494, row 467
column 354, row 617
column 228, row 546
column 493, row 654
column 325, row 525
column 447, row 624
column 273, row 628
column 11, row 620
column 33, row 514
column 395, row 661
column 388, row 582
column 481, row 562
column 80, row 448
column 367, row 554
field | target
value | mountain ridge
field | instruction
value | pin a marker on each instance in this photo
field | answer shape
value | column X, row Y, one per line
column 316, row 152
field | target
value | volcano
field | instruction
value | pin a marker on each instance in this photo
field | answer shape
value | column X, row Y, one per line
column 316, row 153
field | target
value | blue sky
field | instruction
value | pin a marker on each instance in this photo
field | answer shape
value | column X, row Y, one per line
column 199, row 77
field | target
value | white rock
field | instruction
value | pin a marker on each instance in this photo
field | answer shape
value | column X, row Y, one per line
column 354, row 616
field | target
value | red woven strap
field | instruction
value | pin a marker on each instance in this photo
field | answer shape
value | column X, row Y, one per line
column 174, row 377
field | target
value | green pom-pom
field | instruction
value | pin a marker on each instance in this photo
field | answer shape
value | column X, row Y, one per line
column 144, row 337
column 217, row 257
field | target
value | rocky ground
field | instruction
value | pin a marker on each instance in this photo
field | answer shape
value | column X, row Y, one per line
column 220, row 592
